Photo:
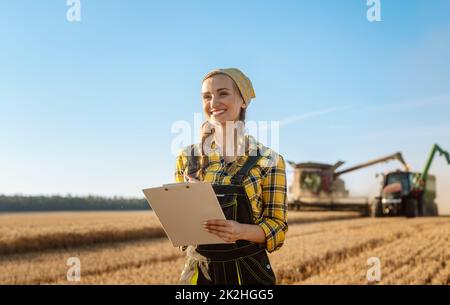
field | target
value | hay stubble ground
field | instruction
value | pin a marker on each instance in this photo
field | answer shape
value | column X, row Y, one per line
column 130, row 248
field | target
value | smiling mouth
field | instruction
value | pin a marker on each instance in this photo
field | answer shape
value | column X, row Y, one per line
column 217, row 112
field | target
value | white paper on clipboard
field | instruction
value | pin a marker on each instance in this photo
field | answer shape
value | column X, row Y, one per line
column 182, row 208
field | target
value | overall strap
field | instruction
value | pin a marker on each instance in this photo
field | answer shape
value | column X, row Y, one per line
column 223, row 189
column 245, row 169
column 192, row 159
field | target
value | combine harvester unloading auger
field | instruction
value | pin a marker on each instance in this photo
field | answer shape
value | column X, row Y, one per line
column 317, row 186
column 409, row 194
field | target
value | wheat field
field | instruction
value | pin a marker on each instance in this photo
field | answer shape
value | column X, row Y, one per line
column 131, row 248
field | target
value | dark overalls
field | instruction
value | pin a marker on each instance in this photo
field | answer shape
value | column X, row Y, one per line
column 243, row 262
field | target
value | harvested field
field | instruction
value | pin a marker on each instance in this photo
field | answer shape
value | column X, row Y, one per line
column 130, row 247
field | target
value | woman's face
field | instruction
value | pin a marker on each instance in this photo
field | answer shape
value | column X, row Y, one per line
column 222, row 102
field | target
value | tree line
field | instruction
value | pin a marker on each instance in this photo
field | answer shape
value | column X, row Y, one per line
column 21, row 203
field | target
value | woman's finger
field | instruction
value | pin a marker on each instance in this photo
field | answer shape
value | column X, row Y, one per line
column 219, row 228
column 217, row 231
column 217, row 222
column 224, row 236
column 190, row 179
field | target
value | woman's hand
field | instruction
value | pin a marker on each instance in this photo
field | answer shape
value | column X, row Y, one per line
column 190, row 179
column 228, row 230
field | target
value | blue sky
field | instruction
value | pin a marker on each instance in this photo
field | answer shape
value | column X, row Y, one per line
column 87, row 107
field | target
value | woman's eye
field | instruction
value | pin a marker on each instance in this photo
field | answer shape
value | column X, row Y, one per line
column 223, row 94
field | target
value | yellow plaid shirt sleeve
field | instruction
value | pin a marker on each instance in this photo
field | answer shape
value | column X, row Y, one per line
column 274, row 211
column 180, row 166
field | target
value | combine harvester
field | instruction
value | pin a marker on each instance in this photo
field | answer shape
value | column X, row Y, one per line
column 317, row 186
column 409, row 194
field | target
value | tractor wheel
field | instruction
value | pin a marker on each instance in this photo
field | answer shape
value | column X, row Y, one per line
column 421, row 208
column 432, row 210
column 411, row 208
column 365, row 211
column 377, row 208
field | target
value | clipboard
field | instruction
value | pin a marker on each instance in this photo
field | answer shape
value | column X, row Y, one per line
column 181, row 208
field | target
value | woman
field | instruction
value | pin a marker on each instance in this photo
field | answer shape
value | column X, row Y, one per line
column 249, row 180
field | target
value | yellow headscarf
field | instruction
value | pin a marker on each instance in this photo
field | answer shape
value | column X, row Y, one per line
column 243, row 82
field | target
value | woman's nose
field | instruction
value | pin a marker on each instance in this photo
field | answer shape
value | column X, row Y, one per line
column 214, row 101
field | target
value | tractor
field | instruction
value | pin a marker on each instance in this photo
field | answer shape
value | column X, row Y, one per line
column 410, row 194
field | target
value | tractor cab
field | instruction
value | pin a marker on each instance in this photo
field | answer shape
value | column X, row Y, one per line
column 403, row 194
column 396, row 186
column 398, row 183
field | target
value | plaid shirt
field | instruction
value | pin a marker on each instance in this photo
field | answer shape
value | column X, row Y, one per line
column 265, row 186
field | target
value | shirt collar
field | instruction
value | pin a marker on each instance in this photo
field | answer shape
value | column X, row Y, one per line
column 251, row 146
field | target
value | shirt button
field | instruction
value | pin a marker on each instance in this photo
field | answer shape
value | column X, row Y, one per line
column 268, row 266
